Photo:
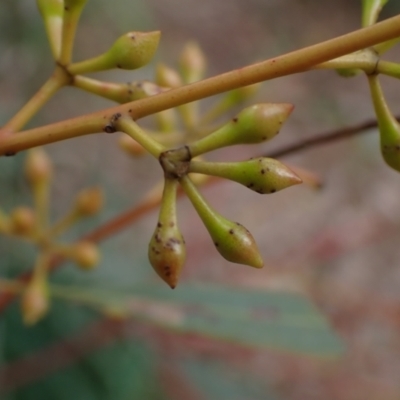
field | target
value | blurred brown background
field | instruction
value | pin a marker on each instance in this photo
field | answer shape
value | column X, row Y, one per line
column 339, row 245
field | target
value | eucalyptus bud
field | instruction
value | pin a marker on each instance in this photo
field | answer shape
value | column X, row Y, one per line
column 192, row 63
column 130, row 51
column 254, row 124
column 85, row 254
column 167, row 251
column 389, row 128
column 232, row 240
column 22, row 221
column 263, row 175
column 89, row 202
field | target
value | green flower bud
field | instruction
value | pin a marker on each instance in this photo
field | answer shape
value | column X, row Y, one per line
column 232, row 240
column 389, row 128
column 192, row 63
column 168, row 77
column 167, row 251
column 131, row 51
column 254, row 124
column 263, row 175
column 52, row 13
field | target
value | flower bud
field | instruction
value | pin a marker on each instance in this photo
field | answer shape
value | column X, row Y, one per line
column 263, row 175
column 89, row 201
column 22, row 221
column 232, row 240
column 254, row 124
column 131, row 51
column 389, row 128
column 192, row 63
column 38, row 166
column 35, row 300
column 167, row 251
column 168, row 77
column 86, row 255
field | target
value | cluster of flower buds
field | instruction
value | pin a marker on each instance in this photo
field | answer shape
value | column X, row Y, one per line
column 31, row 224
column 264, row 175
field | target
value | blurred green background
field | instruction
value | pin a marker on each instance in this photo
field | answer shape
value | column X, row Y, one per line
column 320, row 321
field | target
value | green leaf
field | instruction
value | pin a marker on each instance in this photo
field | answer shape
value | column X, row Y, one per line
column 216, row 382
column 268, row 319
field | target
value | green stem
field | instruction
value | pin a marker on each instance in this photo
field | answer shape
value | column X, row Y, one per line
column 72, row 13
column 50, row 87
column 62, row 225
column 131, row 128
column 290, row 63
column 389, row 68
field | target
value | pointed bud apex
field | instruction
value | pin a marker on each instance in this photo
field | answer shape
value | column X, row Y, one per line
column 168, row 77
column 167, row 251
column 389, row 128
column 89, row 201
column 232, row 240
column 254, row 124
column 35, row 301
column 263, row 175
column 131, row 51
column 86, row 255
column 192, row 63
column 22, row 221
column 38, row 166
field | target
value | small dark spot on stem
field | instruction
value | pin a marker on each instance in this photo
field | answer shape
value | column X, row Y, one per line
column 272, row 190
column 216, row 244
column 159, row 225
column 263, row 171
column 10, row 153
column 119, row 66
column 171, row 224
column 66, row 8
column 235, row 119
column 231, row 231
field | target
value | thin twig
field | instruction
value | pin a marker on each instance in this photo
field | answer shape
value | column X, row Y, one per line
column 325, row 138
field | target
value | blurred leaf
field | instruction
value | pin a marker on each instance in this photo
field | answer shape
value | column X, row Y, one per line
column 215, row 381
column 123, row 370
column 268, row 319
